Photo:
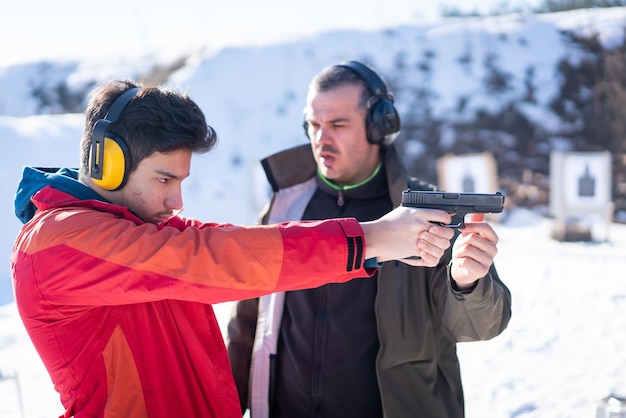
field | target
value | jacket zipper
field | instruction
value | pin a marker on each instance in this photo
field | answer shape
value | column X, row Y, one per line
column 319, row 353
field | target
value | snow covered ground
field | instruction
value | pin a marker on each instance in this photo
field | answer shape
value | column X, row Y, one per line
column 565, row 347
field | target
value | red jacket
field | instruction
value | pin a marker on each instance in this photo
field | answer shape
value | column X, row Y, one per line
column 120, row 310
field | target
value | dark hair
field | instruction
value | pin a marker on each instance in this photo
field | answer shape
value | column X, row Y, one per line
column 157, row 119
column 336, row 76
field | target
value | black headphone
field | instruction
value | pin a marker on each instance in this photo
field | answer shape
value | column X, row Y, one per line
column 110, row 159
column 382, row 123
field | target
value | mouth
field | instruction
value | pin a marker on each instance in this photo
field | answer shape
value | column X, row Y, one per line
column 161, row 219
column 164, row 217
column 327, row 157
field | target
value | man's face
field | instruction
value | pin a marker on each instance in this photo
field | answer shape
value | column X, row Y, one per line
column 153, row 190
column 336, row 128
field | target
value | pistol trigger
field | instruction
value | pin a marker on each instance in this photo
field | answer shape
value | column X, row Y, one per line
column 457, row 221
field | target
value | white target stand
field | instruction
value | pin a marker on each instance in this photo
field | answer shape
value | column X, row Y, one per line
column 6, row 377
column 580, row 195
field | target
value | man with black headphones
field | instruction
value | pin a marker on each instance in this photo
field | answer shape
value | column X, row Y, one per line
column 366, row 348
column 115, row 288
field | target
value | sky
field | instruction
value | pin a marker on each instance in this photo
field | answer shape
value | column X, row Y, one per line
column 69, row 28
column 564, row 349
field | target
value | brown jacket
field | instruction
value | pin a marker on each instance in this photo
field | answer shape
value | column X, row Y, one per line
column 420, row 315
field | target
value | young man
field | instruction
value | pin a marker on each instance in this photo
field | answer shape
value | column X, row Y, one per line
column 366, row 348
column 115, row 289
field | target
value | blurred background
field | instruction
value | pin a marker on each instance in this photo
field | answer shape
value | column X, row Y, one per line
column 527, row 98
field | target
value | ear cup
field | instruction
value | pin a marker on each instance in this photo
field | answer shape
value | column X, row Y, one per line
column 114, row 163
column 383, row 123
column 109, row 159
column 382, row 120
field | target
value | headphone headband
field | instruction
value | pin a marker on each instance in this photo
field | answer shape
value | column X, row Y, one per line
column 120, row 104
column 374, row 81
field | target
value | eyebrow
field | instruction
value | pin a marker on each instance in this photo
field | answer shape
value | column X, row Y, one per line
column 170, row 175
column 331, row 121
column 339, row 120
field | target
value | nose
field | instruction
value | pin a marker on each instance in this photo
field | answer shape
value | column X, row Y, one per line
column 174, row 200
column 321, row 136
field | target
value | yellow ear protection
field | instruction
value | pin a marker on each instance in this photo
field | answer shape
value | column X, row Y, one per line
column 382, row 123
column 110, row 159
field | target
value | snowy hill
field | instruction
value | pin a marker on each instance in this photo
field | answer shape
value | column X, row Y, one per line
column 563, row 350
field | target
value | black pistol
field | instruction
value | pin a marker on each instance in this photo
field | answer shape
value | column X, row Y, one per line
column 458, row 203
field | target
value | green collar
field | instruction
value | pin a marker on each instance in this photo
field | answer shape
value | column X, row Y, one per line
column 349, row 186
